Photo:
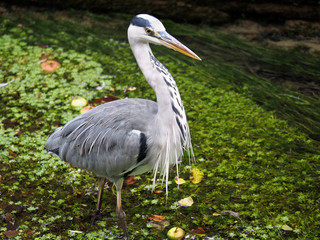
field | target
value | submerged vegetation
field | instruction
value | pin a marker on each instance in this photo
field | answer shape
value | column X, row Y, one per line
column 254, row 141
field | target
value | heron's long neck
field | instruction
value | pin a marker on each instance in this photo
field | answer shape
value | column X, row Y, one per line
column 161, row 81
column 170, row 109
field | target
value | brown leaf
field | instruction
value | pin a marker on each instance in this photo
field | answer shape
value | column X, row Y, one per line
column 28, row 232
column 131, row 180
column 156, row 218
column 44, row 56
column 199, row 230
column 11, row 153
column 158, row 191
column 11, row 233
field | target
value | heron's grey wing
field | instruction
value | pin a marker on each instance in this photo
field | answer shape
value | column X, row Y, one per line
column 110, row 140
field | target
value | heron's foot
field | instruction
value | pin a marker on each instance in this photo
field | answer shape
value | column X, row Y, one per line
column 96, row 215
column 123, row 224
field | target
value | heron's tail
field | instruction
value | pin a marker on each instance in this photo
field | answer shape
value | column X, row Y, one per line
column 54, row 142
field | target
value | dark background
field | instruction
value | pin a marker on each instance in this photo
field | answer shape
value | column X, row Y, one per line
column 193, row 11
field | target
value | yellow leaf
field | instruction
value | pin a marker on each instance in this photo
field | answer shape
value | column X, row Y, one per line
column 179, row 180
column 186, row 202
column 285, row 227
column 216, row 214
column 196, row 175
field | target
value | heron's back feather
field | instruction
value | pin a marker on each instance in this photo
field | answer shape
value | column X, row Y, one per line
column 109, row 140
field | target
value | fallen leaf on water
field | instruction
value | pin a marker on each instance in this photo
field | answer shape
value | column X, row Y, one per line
column 11, row 233
column 186, row 202
column 158, row 191
column 131, row 180
column 28, row 232
column 11, row 153
column 79, row 102
column 198, row 231
column 179, row 180
column 196, row 175
column 50, row 66
column 285, row 227
column 85, row 109
column 158, row 225
column 156, row 218
column 75, row 231
column 229, row 212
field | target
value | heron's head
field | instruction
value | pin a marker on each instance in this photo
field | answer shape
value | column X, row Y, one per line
column 145, row 28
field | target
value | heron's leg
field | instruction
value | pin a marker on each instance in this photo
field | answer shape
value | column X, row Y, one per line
column 119, row 211
column 102, row 182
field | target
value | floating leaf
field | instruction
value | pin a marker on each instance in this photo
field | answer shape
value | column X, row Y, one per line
column 158, row 225
column 199, row 231
column 196, row 175
column 229, row 212
column 158, row 191
column 79, row 102
column 75, row 231
column 50, row 66
column 85, row 109
column 186, row 202
column 131, row 180
column 156, row 218
column 285, row 227
column 11, row 233
column 179, row 180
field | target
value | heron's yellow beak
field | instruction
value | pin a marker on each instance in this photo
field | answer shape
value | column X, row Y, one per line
column 169, row 41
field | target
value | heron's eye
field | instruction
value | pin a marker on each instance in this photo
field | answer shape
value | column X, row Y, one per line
column 148, row 31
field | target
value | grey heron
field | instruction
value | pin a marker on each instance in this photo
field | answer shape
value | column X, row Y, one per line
column 131, row 136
